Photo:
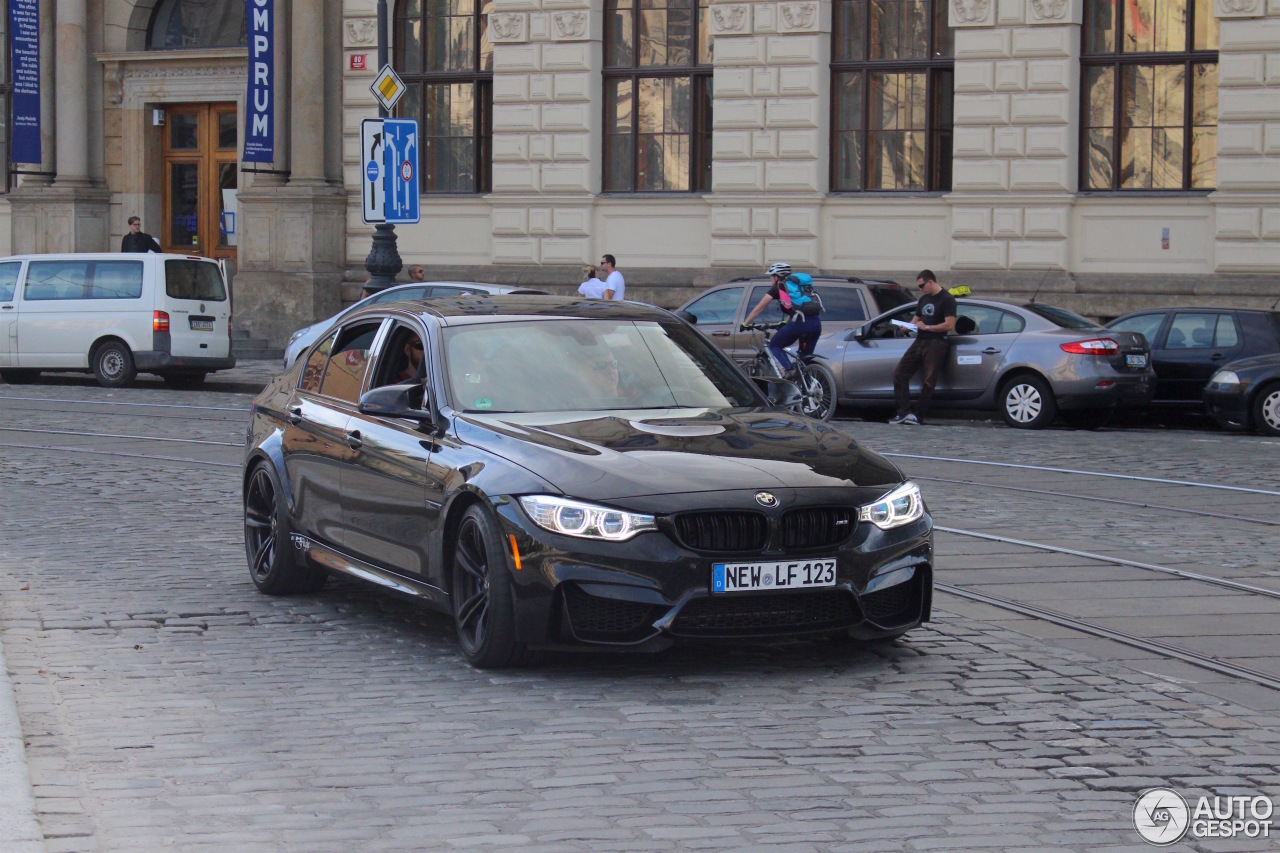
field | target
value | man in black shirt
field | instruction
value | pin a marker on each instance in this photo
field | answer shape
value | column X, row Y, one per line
column 138, row 240
column 935, row 316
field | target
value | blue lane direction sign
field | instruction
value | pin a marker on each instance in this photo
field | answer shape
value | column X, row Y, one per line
column 373, row 189
column 400, row 165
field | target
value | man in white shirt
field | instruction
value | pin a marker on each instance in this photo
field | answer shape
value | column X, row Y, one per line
column 614, row 285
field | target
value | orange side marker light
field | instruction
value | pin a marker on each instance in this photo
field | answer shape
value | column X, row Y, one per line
column 515, row 552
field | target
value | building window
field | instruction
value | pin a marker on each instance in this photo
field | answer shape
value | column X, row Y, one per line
column 892, row 72
column 1149, row 113
column 657, row 96
column 445, row 58
column 196, row 24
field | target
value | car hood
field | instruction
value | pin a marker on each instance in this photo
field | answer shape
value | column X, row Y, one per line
column 1271, row 359
column 620, row 454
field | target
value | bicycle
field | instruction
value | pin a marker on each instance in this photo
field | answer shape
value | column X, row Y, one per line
column 816, row 382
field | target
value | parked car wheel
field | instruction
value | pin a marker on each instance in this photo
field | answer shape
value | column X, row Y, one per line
column 267, row 542
column 19, row 377
column 1266, row 410
column 1088, row 418
column 482, row 597
column 1026, row 402
column 113, row 365
column 818, row 397
column 185, row 381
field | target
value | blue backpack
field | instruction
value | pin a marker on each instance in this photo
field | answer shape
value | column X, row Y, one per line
column 797, row 293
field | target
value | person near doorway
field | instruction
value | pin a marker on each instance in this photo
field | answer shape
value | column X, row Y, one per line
column 934, row 317
column 615, row 287
column 417, row 273
column 138, row 240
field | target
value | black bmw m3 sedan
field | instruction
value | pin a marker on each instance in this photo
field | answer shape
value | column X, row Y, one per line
column 558, row 473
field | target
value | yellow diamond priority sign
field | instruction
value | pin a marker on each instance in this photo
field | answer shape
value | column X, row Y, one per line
column 387, row 87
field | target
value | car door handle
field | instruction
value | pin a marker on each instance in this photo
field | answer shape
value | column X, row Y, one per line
column 991, row 351
column 720, row 334
column 1217, row 356
column 294, row 415
column 353, row 440
column 7, row 307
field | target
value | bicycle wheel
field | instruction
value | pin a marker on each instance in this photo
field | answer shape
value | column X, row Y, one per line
column 817, row 392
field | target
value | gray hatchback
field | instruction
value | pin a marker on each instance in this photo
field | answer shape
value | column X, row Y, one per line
column 1028, row 362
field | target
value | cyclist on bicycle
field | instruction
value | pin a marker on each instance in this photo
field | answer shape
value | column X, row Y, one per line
column 804, row 323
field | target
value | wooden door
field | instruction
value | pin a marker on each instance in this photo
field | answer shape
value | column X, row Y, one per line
column 200, row 179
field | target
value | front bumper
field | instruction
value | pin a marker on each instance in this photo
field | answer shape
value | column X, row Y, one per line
column 647, row 593
column 1230, row 407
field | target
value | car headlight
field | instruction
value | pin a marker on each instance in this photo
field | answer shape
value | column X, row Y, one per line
column 901, row 506
column 1225, row 377
column 298, row 334
column 588, row 521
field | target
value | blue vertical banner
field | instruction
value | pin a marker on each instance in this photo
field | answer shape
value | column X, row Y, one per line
column 24, row 29
column 259, row 120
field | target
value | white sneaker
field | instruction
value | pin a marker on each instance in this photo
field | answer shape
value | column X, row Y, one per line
column 911, row 420
column 897, row 419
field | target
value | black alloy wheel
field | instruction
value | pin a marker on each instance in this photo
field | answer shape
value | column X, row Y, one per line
column 267, row 541
column 1266, row 410
column 482, row 596
column 113, row 365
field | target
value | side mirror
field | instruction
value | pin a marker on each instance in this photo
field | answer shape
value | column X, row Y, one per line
column 405, row 400
column 691, row 319
column 860, row 333
column 779, row 391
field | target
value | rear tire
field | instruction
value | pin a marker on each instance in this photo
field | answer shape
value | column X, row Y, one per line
column 19, row 377
column 268, row 544
column 482, row 595
column 113, row 365
column 818, row 397
column 1088, row 418
column 185, row 381
column 1266, row 410
column 1026, row 402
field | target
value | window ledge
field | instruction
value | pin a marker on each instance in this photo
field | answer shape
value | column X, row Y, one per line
column 1144, row 193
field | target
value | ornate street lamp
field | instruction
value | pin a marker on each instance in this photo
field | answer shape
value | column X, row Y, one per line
column 384, row 260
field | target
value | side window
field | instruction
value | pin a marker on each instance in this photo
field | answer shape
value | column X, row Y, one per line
column 47, row 280
column 449, row 291
column 1191, row 331
column 399, row 295
column 842, row 304
column 716, row 307
column 772, row 312
column 116, row 280
column 402, row 359
column 885, row 327
column 986, row 321
column 1010, row 322
column 344, row 376
column 1147, row 325
column 8, row 280
column 1227, row 335
column 314, row 371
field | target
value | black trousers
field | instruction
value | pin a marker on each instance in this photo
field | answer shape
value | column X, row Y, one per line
column 929, row 353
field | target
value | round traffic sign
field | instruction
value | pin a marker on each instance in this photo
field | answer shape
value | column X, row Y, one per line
column 372, row 170
column 406, row 171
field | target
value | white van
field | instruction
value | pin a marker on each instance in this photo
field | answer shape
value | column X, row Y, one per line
column 114, row 315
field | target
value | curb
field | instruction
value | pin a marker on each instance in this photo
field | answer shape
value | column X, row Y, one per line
column 19, row 829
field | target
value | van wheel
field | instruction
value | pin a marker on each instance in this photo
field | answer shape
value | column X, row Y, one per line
column 19, row 377
column 185, row 381
column 113, row 365
column 1026, row 402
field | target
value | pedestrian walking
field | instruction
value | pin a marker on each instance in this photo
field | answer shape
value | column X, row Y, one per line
column 592, row 287
column 935, row 316
column 615, row 287
column 138, row 240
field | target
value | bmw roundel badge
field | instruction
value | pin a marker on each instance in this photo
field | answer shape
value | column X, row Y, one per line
column 766, row 499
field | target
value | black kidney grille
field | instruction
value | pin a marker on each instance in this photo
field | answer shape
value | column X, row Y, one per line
column 817, row 527
column 722, row 531
column 895, row 605
column 766, row 613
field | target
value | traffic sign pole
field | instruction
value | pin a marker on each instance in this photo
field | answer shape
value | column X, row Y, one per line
column 383, row 262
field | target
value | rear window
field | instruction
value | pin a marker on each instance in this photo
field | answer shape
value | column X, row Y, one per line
column 889, row 296
column 841, row 304
column 200, row 280
column 1062, row 317
column 57, row 280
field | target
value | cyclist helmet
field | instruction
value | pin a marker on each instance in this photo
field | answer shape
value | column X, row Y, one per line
column 781, row 269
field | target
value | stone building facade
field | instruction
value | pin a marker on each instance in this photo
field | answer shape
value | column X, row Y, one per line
column 1113, row 153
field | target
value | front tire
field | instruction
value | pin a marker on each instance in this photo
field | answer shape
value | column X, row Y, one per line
column 113, row 365
column 267, row 541
column 1266, row 410
column 818, row 394
column 481, row 592
column 1026, row 402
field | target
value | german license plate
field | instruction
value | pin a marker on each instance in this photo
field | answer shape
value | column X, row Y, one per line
column 201, row 325
column 798, row 574
column 1136, row 360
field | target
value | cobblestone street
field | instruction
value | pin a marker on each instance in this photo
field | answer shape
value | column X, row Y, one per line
column 165, row 704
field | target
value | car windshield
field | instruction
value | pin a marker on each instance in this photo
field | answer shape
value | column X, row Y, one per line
column 1062, row 317
column 592, row 365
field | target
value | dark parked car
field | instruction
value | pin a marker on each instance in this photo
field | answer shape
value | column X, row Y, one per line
column 1246, row 394
column 1028, row 362
column 1188, row 345
column 846, row 304
column 562, row 473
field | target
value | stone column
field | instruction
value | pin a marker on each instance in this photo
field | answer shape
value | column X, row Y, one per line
column 771, row 120
column 71, row 79
column 1247, row 201
column 307, row 116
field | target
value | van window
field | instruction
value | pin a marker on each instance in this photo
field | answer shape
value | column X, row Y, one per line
column 8, row 280
column 116, row 280
column 194, row 280
column 52, row 280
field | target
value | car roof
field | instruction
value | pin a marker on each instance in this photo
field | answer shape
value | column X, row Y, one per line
column 824, row 279
column 1163, row 309
column 104, row 256
column 492, row 288
column 459, row 310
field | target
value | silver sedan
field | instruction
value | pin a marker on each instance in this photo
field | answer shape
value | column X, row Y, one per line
column 1028, row 362
column 308, row 335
